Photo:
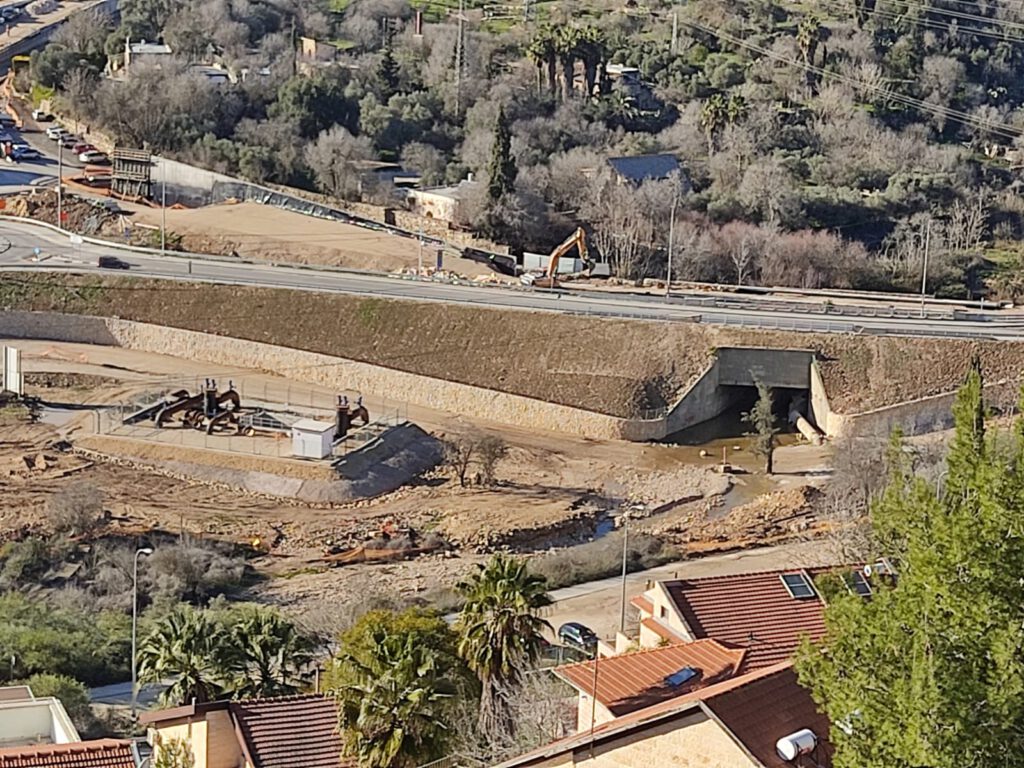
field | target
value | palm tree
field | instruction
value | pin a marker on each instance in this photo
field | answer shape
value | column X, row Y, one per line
column 809, row 34
column 567, row 47
column 395, row 708
column 190, row 649
column 593, row 49
column 543, row 54
column 500, row 634
column 268, row 654
column 713, row 117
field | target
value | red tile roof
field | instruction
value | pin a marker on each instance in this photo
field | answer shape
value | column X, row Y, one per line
column 758, row 709
column 101, row 753
column 768, row 708
column 751, row 610
column 632, row 681
column 290, row 732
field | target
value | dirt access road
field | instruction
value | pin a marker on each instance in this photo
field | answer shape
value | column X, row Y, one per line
column 270, row 234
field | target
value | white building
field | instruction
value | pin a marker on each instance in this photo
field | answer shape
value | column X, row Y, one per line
column 312, row 439
column 26, row 720
column 141, row 52
column 442, row 203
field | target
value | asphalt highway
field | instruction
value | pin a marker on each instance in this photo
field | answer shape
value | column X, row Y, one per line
column 19, row 242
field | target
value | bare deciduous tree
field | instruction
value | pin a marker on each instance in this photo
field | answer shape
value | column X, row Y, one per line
column 333, row 158
column 542, row 709
column 76, row 509
column 623, row 232
column 491, row 449
column 459, row 452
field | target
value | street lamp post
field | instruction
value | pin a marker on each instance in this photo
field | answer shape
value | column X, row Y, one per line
column 671, row 233
column 60, row 181
column 135, row 621
column 625, row 552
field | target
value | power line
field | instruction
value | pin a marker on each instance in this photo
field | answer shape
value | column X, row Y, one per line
column 926, row 9
column 935, row 25
column 1004, row 129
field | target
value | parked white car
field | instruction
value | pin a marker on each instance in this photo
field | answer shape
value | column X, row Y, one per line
column 55, row 132
column 97, row 158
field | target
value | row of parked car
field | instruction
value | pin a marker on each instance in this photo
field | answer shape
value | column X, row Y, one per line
column 83, row 150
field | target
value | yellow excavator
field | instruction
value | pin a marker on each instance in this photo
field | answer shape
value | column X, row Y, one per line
column 577, row 240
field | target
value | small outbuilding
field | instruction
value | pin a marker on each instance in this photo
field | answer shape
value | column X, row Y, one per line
column 312, row 439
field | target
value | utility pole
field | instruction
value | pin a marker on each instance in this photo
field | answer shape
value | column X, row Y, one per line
column 163, row 215
column 458, row 59
column 135, row 623
column 671, row 233
column 924, row 272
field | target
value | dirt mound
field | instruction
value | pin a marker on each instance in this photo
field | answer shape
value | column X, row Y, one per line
column 772, row 518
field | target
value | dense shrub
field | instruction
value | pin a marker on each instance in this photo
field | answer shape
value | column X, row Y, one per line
column 601, row 558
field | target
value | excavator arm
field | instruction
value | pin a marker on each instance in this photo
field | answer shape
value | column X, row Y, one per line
column 577, row 239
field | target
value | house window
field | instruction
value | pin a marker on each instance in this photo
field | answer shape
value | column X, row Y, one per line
column 662, row 612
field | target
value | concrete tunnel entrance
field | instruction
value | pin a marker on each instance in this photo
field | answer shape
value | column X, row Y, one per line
column 714, row 405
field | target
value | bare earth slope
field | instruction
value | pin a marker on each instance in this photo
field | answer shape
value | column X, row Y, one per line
column 612, row 366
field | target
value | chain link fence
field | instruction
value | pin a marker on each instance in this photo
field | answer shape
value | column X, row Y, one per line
column 271, row 408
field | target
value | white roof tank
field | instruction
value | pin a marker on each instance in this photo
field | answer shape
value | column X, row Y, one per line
column 791, row 747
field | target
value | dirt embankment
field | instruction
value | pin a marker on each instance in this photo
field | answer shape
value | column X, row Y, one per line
column 618, row 367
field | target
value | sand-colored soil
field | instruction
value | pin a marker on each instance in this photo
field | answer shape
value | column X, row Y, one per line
column 265, row 233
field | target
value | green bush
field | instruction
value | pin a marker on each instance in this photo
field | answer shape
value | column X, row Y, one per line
column 44, row 639
column 72, row 694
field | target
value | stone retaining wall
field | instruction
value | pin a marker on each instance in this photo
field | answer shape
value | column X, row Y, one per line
column 333, row 372
column 914, row 417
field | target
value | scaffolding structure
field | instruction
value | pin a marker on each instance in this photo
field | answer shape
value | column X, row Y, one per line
column 131, row 173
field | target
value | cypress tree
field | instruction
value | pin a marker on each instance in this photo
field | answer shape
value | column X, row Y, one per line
column 387, row 71
column 503, row 169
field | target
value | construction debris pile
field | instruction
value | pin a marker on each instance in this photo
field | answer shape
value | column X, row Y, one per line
column 24, row 461
column 79, row 215
column 773, row 517
column 448, row 276
column 388, row 544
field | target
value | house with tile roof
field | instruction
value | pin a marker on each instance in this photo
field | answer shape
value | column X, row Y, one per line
column 100, row 753
column 285, row 732
column 741, row 722
column 766, row 613
column 614, row 686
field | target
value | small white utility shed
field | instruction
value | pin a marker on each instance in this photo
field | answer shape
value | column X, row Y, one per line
column 312, row 439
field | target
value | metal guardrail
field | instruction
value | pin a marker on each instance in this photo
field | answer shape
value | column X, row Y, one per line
column 787, row 324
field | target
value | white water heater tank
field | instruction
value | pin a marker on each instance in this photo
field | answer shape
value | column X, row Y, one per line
column 800, row 743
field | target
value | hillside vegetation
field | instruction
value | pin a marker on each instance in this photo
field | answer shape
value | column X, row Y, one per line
column 825, row 144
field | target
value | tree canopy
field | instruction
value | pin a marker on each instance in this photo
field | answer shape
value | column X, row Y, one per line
column 930, row 670
column 500, row 633
column 399, row 685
